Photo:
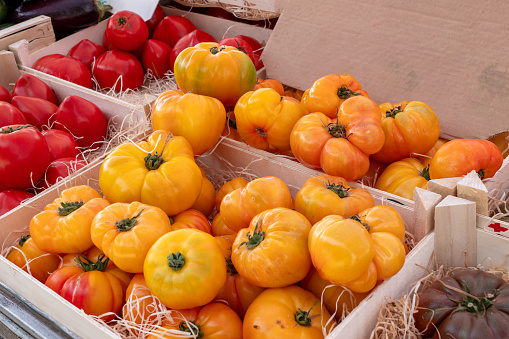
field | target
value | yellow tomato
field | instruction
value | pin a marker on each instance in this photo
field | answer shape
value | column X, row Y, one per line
column 160, row 172
column 402, row 177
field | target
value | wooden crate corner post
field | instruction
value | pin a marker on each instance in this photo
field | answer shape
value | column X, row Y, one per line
column 455, row 233
column 424, row 216
column 470, row 187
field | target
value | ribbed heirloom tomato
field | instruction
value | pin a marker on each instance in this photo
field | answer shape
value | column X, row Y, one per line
column 270, row 83
column 402, row 177
column 358, row 251
column 191, row 219
column 228, row 187
column 265, row 119
column 221, row 72
column 410, row 128
column 341, row 146
column 198, row 118
column 160, row 172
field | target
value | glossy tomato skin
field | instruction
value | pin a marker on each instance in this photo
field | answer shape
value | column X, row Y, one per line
column 205, row 201
column 64, row 225
column 5, row 96
column 281, row 257
column 156, row 57
column 265, row 119
column 24, row 156
column 273, row 315
column 10, row 115
column 191, row 219
column 127, row 30
column 219, row 228
column 198, row 118
column 40, row 264
column 95, row 292
column 189, row 40
column 402, row 177
column 270, row 83
column 221, row 72
column 325, row 195
column 179, row 257
column 155, row 19
column 410, row 128
column 66, row 68
column 171, row 28
column 37, row 112
column 59, row 169
column 11, row 198
column 29, row 85
column 239, row 44
column 256, row 47
column 86, row 51
column 83, row 119
column 61, row 144
column 125, row 175
column 112, row 65
column 228, row 187
column 460, row 156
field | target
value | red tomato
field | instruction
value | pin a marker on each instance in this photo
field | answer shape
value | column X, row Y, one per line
column 4, row 94
column 61, row 144
column 83, row 119
column 11, row 198
column 189, row 40
column 155, row 19
column 258, row 63
column 127, row 30
column 239, row 44
column 37, row 112
column 156, row 57
column 255, row 45
column 107, row 43
column 10, row 115
column 172, row 28
column 30, row 86
column 191, row 219
column 59, row 169
column 119, row 70
column 66, row 68
column 24, row 156
column 86, row 51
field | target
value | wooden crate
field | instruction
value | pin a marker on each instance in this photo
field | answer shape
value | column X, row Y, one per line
column 37, row 31
column 226, row 157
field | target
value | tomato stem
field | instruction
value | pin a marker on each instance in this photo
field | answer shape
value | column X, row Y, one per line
column 261, row 132
column 481, row 173
column 255, row 239
column 336, row 130
column 358, row 218
column 9, row 129
column 89, row 265
column 215, row 49
column 183, row 326
column 425, row 173
column 474, row 305
column 68, row 207
column 344, row 92
column 176, row 261
column 23, row 240
column 302, row 317
column 126, row 224
column 391, row 113
column 340, row 190
column 232, row 123
column 230, row 268
column 153, row 161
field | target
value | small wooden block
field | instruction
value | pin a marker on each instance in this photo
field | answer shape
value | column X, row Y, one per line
column 455, row 233
column 424, row 212
column 444, row 187
column 472, row 188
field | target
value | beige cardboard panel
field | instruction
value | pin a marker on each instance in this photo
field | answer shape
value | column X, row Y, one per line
column 447, row 54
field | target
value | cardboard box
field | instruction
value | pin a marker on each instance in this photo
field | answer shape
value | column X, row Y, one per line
column 226, row 157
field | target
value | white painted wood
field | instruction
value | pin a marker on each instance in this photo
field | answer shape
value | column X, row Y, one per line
column 38, row 31
column 444, row 187
column 424, row 216
column 470, row 187
column 492, row 250
column 493, row 225
column 455, row 241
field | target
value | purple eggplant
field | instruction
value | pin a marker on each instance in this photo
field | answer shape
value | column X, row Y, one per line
column 67, row 16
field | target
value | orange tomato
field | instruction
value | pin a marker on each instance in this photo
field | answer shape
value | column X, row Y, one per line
column 64, row 225
column 241, row 205
column 425, row 159
column 219, row 227
column 191, row 219
column 206, row 200
column 329, row 92
column 228, row 187
column 27, row 256
column 265, row 119
column 402, row 177
column 287, row 312
column 410, row 128
column 460, row 156
column 273, row 251
column 325, row 195
column 270, row 83
column 198, row 118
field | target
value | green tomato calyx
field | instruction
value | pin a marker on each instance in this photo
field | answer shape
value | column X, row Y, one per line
column 126, row 224
column 344, row 92
column 23, row 240
column 339, row 189
column 391, row 113
column 195, row 330
column 176, row 261
column 358, row 219
column 88, row 265
column 68, row 207
column 153, row 161
column 255, row 239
